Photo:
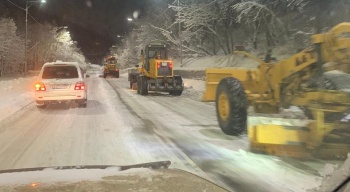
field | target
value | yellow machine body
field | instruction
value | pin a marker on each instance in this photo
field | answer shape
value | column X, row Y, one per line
column 156, row 72
column 274, row 85
column 154, row 69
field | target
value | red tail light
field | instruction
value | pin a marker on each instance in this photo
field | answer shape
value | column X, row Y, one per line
column 158, row 65
column 40, row 87
column 79, row 86
column 170, row 65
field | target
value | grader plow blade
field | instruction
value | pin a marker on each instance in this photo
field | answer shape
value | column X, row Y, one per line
column 294, row 138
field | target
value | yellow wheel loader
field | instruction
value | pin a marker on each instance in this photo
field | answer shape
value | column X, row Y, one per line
column 156, row 72
column 297, row 81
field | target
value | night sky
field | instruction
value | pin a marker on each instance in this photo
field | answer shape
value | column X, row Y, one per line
column 94, row 24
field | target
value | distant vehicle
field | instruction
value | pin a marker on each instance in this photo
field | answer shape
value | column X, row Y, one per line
column 60, row 82
column 111, row 67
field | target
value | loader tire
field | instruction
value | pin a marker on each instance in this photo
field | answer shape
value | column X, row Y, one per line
column 175, row 93
column 231, row 106
column 41, row 106
column 178, row 81
column 132, row 79
column 144, row 85
column 117, row 74
column 138, row 84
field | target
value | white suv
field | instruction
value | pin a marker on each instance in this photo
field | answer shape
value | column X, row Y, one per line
column 60, row 82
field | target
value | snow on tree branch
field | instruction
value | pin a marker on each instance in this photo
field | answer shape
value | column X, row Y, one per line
column 11, row 48
column 261, row 17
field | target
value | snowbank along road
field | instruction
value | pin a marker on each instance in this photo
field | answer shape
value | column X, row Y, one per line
column 119, row 127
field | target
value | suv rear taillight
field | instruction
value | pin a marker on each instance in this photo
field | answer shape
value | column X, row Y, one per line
column 79, row 86
column 40, row 87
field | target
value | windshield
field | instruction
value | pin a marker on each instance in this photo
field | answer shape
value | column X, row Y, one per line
column 60, row 72
column 154, row 53
column 112, row 61
column 252, row 95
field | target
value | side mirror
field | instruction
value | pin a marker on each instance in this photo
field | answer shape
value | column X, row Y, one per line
column 136, row 65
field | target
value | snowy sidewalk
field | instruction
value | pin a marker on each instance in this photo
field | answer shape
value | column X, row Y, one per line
column 15, row 93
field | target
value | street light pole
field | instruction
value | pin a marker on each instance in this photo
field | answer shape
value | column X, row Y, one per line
column 180, row 38
column 26, row 40
column 25, row 43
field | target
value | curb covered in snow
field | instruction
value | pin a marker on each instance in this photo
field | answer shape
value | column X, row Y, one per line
column 190, row 74
column 16, row 94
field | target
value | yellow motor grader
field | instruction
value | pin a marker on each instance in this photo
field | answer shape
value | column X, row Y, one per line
column 111, row 67
column 299, row 81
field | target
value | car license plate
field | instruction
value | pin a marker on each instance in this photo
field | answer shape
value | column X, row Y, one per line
column 59, row 86
column 164, row 64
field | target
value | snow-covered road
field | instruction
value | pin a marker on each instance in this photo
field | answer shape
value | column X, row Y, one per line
column 120, row 127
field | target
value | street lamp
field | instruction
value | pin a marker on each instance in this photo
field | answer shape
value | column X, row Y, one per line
column 25, row 46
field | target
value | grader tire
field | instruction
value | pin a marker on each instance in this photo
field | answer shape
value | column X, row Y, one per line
column 231, row 106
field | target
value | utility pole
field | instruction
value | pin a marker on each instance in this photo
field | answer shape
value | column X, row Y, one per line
column 25, row 43
column 25, row 46
column 180, row 37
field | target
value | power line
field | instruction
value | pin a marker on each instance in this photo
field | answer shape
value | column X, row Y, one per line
column 24, row 10
column 34, row 19
column 16, row 5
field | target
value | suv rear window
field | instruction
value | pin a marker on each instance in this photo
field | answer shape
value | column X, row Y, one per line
column 60, row 72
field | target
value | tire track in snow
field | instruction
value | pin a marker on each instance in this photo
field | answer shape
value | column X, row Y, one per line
column 152, row 128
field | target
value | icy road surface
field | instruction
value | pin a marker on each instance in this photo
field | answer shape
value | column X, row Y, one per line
column 120, row 127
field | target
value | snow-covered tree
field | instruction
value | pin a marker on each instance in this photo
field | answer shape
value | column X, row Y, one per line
column 264, row 17
column 49, row 43
column 128, row 54
column 41, row 46
column 145, row 31
column 207, row 26
column 11, row 48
